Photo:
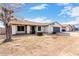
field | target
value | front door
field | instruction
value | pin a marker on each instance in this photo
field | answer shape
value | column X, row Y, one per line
column 32, row 29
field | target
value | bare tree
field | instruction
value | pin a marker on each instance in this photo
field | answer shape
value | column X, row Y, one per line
column 5, row 17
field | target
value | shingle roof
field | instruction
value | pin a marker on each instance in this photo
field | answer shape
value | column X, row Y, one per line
column 25, row 22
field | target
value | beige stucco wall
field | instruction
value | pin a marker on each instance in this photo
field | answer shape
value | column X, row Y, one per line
column 50, row 29
column 42, row 29
column 46, row 29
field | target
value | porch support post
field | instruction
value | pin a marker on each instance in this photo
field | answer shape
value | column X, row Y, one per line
column 28, row 29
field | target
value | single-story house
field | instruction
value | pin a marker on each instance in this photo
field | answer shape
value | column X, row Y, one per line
column 29, row 27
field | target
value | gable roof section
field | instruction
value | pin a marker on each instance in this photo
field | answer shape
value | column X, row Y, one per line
column 55, row 24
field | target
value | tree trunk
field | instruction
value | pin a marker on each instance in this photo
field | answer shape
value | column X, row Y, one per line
column 8, row 33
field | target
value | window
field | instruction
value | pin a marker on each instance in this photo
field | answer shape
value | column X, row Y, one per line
column 20, row 28
column 39, row 28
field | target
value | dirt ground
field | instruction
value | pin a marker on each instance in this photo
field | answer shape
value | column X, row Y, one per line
column 47, row 45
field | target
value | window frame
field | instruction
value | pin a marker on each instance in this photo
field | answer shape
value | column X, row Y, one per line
column 39, row 28
column 20, row 28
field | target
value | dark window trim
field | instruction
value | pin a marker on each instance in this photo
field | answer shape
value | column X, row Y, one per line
column 39, row 28
column 20, row 28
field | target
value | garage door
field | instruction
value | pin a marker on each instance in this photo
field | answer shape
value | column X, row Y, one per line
column 56, row 29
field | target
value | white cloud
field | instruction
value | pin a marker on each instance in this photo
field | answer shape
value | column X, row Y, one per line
column 66, row 11
column 74, row 12
column 39, row 7
column 70, row 10
column 40, row 19
column 75, row 21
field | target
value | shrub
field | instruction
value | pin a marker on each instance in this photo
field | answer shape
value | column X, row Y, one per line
column 54, row 33
column 39, row 33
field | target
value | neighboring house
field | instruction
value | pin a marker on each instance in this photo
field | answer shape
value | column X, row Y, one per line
column 67, row 28
column 2, row 31
column 29, row 27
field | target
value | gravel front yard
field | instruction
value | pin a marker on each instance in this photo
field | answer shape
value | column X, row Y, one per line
column 47, row 45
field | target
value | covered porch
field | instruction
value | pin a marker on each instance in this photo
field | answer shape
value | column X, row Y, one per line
column 26, row 29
